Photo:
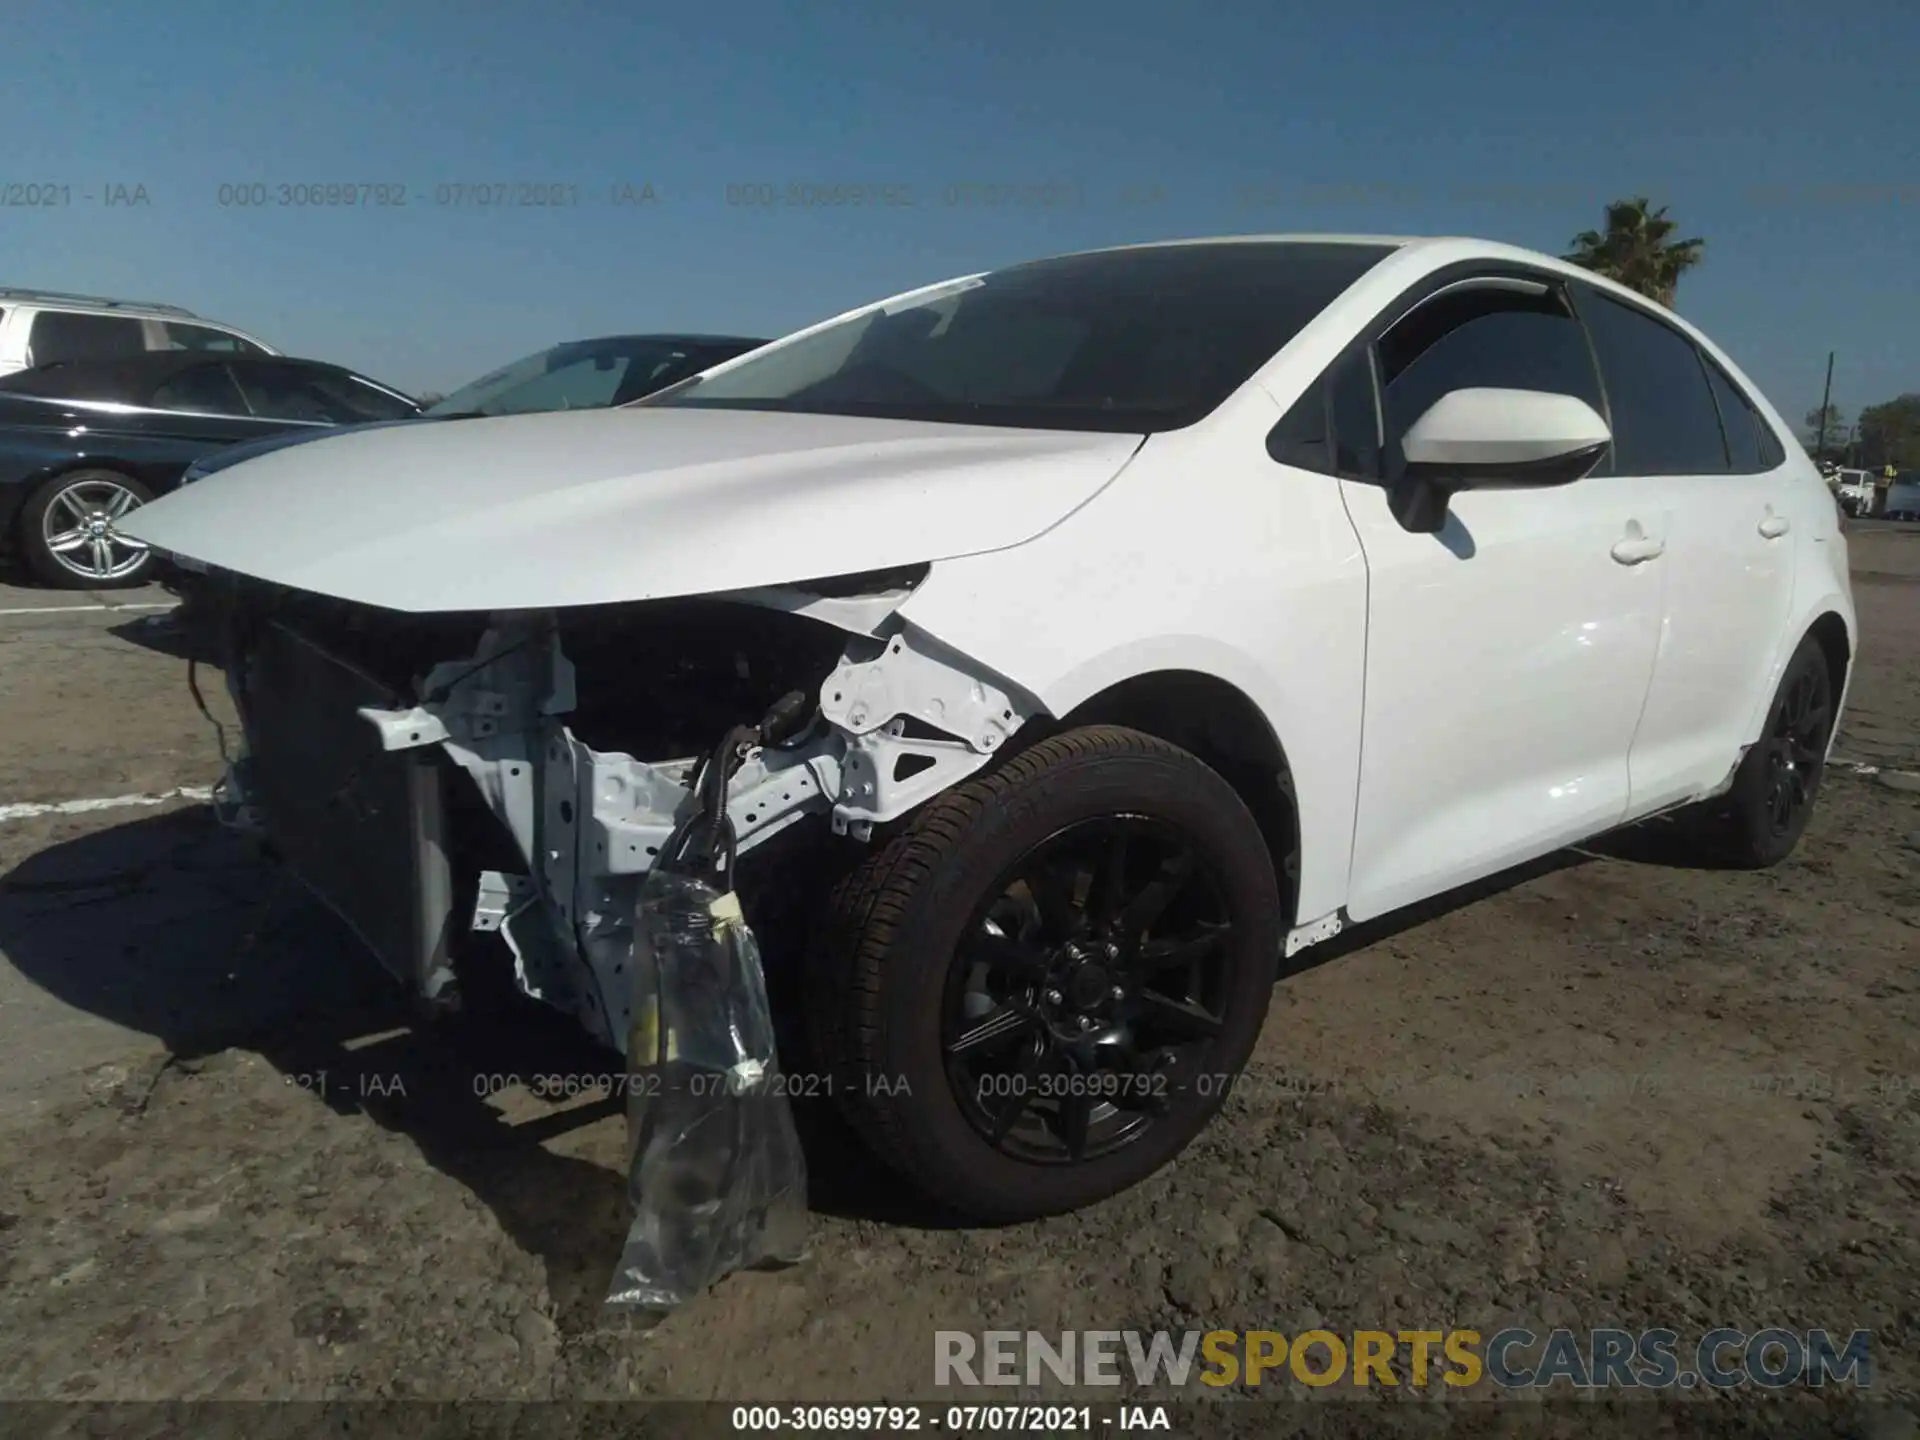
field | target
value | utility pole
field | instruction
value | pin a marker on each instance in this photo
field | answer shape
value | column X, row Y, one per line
column 1826, row 402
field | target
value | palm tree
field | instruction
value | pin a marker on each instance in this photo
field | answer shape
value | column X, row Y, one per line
column 1636, row 249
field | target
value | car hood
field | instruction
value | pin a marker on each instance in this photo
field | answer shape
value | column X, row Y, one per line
column 640, row 503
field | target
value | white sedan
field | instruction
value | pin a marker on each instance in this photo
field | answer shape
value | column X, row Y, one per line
column 1142, row 617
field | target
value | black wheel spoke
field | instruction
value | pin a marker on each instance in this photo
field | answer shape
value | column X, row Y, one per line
column 1009, row 956
column 1052, row 885
column 1102, row 957
column 1183, row 1018
column 1151, row 903
column 1159, row 955
column 1110, row 881
column 1009, row 1114
column 1813, row 733
column 1076, row 1119
column 1135, row 1066
column 1780, row 809
column 1004, row 1025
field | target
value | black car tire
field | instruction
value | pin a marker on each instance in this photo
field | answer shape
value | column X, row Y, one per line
column 41, row 560
column 884, row 965
column 1757, row 823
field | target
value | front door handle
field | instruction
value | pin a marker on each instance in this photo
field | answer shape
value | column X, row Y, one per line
column 1774, row 526
column 1637, row 549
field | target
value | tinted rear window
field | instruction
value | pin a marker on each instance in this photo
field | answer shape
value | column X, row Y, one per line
column 68, row 335
column 1664, row 418
column 1738, row 420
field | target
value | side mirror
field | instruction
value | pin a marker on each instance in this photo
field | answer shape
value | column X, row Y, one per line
column 1483, row 437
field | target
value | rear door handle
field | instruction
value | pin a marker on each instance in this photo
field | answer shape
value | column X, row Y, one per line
column 1774, row 526
column 1637, row 549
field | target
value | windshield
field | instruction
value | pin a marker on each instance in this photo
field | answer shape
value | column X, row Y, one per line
column 580, row 375
column 1124, row 341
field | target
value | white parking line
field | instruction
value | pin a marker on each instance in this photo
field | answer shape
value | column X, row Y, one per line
column 26, row 810
column 66, row 609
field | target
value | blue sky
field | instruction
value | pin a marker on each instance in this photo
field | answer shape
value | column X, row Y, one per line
column 1513, row 121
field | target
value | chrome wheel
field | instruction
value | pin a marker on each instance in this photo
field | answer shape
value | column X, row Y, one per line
column 78, row 529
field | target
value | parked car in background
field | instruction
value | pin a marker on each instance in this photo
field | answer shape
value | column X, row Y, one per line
column 576, row 375
column 84, row 442
column 38, row 327
column 1903, row 499
column 1856, row 491
column 1031, row 623
column 591, row 374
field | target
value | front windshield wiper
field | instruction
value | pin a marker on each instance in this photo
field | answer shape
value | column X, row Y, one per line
column 453, row 415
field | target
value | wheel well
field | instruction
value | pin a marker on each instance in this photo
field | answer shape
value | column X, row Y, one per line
column 1213, row 720
column 1829, row 632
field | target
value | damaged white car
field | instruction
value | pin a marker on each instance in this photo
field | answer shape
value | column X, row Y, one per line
column 1104, row 630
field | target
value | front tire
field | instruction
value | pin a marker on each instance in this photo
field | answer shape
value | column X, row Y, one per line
column 1038, row 991
column 68, row 535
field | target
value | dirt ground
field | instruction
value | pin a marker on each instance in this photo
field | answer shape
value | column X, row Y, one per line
column 1610, row 1090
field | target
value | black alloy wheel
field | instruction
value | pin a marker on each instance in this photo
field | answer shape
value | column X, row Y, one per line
column 1760, row 819
column 1796, row 748
column 1041, row 985
column 1089, row 987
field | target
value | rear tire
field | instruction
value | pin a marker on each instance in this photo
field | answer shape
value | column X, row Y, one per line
column 1760, row 820
column 67, row 533
column 916, row 934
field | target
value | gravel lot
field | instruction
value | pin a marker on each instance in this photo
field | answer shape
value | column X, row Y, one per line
column 1611, row 1090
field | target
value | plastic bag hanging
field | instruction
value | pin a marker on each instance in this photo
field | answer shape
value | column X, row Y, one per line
column 715, row 1175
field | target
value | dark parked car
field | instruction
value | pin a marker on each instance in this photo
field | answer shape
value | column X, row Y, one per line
column 576, row 375
column 591, row 374
column 82, row 442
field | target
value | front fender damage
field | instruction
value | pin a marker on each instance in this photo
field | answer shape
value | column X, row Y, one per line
column 899, row 718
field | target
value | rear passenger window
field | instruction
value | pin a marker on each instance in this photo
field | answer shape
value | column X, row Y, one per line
column 203, row 390
column 199, row 337
column 1663, row 413
column 284, row 392
column 1737, row 420
column 69, row 335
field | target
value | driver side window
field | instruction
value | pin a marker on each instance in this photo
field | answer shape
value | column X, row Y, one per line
column 1351, row 422
column 1480, row 338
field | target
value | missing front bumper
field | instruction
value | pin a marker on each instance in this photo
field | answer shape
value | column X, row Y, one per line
column 356, row 783
column 363, row 827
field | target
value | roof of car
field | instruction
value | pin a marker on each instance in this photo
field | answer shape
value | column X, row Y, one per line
column 1430, row 251
column 1390, row 242
column 126, row 375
